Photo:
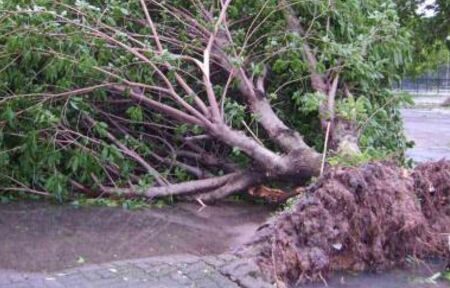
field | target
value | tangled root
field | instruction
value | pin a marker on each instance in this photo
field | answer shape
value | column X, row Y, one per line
column 432, row 187
column 366, row 218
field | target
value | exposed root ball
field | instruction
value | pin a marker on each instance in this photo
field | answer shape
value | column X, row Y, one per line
column 432, row 187
column 361, row 218
column 446, row 103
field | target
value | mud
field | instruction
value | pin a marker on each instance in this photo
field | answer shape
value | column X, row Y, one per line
column 432, row 187
column 40, row 237
column 357, row 219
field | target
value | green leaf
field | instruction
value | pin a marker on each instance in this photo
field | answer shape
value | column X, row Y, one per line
column 135, row 113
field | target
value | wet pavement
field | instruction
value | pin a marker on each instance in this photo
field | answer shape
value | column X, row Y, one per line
column 40, row 237
column 430, row 130
column 412, row 276
column 44, row 245
column 155, row 272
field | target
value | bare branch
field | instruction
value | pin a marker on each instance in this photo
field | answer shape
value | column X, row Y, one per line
column 190, row 186
column 295, row 26
column 206, row 63
column 168, row 110
column 131, row 153
column 180, row 80
column 237, row 184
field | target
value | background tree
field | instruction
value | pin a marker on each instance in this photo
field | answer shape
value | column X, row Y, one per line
column 429, row 23
column 198, row 98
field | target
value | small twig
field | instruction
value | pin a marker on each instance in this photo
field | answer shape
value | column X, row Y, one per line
column 203, row 205
column 224, row 93
column 323, row 280
column 251, row 133
column 325, row 148
column 23, row 187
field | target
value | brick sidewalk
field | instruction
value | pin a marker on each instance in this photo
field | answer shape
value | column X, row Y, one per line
column 156, row 272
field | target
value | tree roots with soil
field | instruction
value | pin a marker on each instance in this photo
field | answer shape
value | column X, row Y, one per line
column 367, row 218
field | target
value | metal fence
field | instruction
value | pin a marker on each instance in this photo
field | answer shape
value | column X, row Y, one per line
column 432, row 83
column 425, row 86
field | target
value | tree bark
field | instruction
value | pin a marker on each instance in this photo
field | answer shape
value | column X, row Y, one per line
column 343, row 133
column 287, row 138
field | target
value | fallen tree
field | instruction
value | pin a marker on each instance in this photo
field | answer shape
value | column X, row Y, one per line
column 150, row 99
column 356, row 219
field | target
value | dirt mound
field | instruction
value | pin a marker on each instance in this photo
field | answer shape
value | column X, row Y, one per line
column 446, row 103
column 365, row 218
column 432, row 187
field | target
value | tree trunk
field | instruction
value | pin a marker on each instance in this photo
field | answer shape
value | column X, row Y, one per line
column 344, row 137
column 343, row 134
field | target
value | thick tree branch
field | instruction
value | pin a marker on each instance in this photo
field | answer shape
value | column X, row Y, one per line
column 190, row 187
column 343, row 134
column 209, row 159
column 222, row 132
column 158, row 106
column 317, row 80
column 267, row 159
column 238, row 183
column 285, row 137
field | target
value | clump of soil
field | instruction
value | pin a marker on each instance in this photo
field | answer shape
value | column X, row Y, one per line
column 432, row 187
column 366, row 218
column 446, row 103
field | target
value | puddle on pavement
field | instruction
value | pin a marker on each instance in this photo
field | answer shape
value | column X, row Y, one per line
column 417, row 276
column 40, row 237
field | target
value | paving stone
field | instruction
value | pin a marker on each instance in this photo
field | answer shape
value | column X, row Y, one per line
column 213, row 261
column 36, row 283
column 16, row 277
column 181, row 278
column 74, row 280
column 105, row 273
column 208, row 283
column 222, row 281
column 142, row 265
column 227, row 257
column 109, row 283
column 252, row 282
column 159, row 272
column 199, row 271
column 4, row 279
column 17, row 285
column 53, row 284
column 92, row 275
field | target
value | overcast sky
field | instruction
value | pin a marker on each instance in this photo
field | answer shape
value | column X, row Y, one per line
column 422, row 10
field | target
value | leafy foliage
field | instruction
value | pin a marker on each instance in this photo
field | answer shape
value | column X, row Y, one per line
column 52, row 49
column 430, row 27
column 366, row 43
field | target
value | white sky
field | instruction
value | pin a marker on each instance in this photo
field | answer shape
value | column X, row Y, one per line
column 425, row 12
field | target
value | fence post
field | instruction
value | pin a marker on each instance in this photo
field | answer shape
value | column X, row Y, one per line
column 438, row 85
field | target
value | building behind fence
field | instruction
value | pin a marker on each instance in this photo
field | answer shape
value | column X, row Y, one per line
column 435, row 82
